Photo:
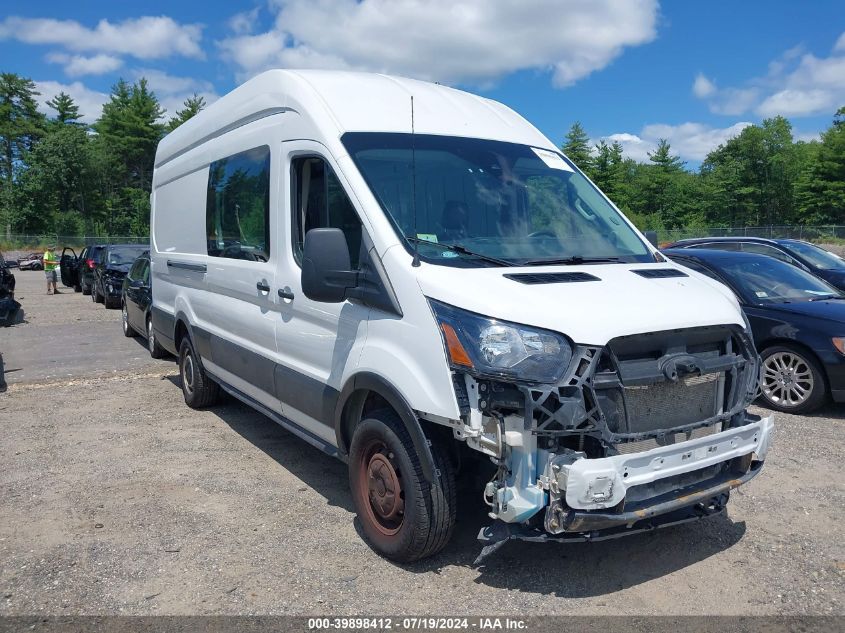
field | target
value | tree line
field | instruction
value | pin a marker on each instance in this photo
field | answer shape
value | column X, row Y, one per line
column 760, row 177
column 61, row 176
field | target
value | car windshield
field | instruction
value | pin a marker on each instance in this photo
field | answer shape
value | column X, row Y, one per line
column 123, row 256
column 815, row 256
column 494, row 200
column 767, row 280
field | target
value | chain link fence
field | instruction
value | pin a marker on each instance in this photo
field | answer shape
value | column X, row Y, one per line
column 821, row 234
column 34, row 242
column 799, row 232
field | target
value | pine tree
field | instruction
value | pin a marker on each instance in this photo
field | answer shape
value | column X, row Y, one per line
column 820, row 191
column 21, row 125
column 67, row 112
column 577, row 148
column 193, row 106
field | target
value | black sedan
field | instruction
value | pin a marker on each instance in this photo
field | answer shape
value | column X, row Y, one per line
column 112, row 265
column 797, row 319
column 798, row 252
column 137, row 303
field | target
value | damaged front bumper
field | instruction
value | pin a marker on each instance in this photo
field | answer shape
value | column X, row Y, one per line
column 583, row 488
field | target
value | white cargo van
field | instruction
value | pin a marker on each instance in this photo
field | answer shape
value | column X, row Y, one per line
column 414, row 279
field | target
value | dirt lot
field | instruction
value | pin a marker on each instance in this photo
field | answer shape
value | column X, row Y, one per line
column 117, row 498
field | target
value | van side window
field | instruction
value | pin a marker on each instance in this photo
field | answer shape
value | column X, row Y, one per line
column 319, row 201
column 238, row 206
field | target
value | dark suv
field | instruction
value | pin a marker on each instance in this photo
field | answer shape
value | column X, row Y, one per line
column 77, row 271
column 113, row 263
column 137, row 305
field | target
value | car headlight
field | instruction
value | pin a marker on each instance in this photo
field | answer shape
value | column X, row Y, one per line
column 489, row 347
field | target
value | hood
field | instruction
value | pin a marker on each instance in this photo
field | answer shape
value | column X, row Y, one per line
column 117, row 270
column 833, row 311
column 620, row 303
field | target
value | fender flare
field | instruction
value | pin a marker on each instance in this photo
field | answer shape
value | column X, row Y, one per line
column 368, row 381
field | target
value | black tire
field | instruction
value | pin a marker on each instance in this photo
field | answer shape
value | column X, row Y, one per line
column 156, row 350
column 96, row 297
column 418, row 520
column 199, row 390
column 128, row 330
column 793, row 381
column 86, row 290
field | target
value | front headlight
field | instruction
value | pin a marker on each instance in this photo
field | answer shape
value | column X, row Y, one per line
column 489, row 347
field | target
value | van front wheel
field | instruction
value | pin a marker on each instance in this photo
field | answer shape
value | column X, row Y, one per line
column 403, row 516
column 199, row 390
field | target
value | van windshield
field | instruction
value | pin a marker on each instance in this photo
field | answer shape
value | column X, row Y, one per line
column 498, row 203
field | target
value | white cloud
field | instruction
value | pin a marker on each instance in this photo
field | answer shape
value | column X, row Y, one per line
column 702, row 87
column 474, row 41
column 78, row 65
column 90, row 102
column 797, row 103
column 243, row 23
column 690, row 141
column 146, row 37
column 797, row 84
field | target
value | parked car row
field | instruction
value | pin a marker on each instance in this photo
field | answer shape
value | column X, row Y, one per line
column 790, row 293
column 118, row 276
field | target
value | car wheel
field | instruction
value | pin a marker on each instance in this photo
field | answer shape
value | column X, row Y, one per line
column 95, row 294
column 199, row 390
column 403, row 516
column 86, row 290
column 156, row 350
column 124, row 320
column 792, row 380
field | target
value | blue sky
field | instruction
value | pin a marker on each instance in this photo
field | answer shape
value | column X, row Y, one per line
column 629, row 70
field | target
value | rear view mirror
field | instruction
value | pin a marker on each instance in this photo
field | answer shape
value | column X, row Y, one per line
column 651, row 236
column 325, row 266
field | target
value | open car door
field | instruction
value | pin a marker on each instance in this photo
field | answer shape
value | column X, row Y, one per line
column 69, row 267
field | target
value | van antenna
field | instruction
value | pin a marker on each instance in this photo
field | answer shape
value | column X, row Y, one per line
column 416, row 261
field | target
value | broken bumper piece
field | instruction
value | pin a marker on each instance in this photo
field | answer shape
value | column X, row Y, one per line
column 596, row 484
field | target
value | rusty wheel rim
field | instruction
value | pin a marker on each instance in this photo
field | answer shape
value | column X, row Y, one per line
column 380, row 484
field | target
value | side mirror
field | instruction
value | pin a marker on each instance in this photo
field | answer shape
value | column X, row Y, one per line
column 325, row 266
column 651, row 236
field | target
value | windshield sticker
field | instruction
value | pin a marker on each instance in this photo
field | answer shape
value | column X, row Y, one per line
column 761, row 294
column 551, row 159
column 448, row 254
column 428, row 237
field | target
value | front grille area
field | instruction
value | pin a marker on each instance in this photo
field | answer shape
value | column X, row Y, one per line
column 647, row 390
column 671, row 404
column 627, row 448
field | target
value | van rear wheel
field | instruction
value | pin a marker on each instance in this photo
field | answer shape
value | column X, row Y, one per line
column 199, row 390
column 403, row 516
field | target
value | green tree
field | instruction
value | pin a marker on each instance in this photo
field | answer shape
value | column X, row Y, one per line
column 820, row 190
column 577, row 148
column 192, row 106
column 21, row 125
column 66, row 109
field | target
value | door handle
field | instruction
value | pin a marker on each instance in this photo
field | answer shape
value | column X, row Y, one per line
column 286, row 294
column 263, row 287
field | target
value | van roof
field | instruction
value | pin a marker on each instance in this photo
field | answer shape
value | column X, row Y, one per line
column 354, row 102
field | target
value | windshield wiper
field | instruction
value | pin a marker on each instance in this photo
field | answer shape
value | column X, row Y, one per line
column 828, row 298
column 570, row 261
column 457, row 248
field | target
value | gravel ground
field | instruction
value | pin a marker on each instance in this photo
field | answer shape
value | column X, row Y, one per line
column 118, row 499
